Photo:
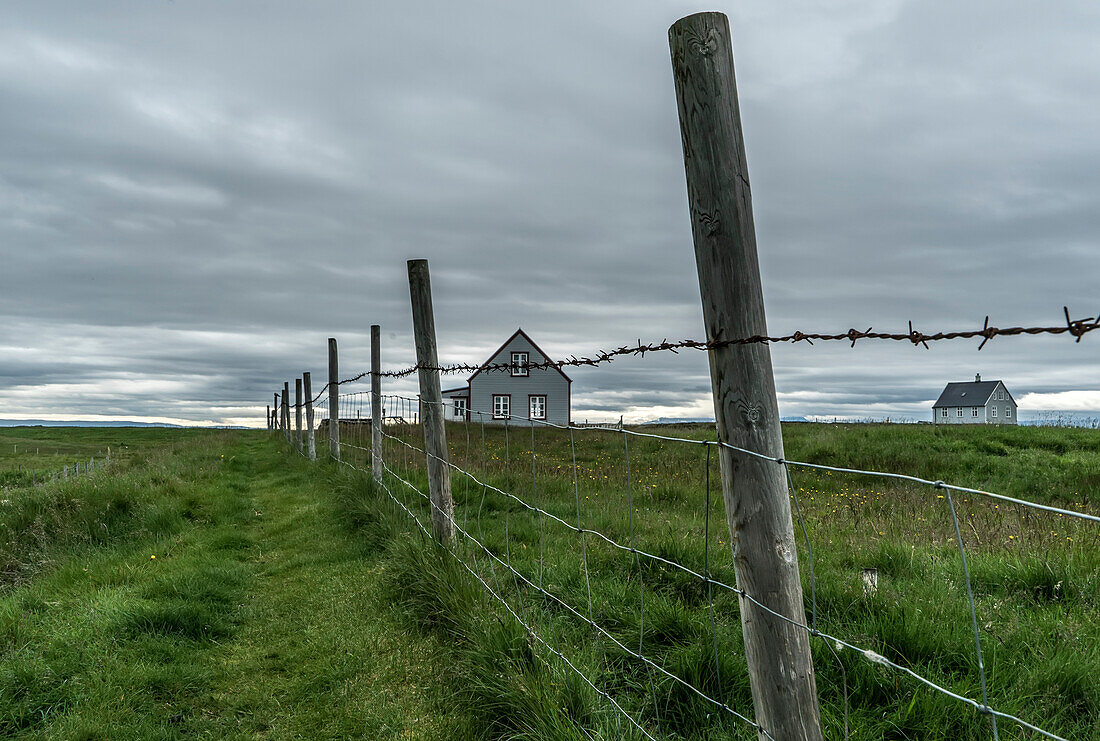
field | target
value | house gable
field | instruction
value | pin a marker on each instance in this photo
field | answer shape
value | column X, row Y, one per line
column 543, row 392
column 502, row 355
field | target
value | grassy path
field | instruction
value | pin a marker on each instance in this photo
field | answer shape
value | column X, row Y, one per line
column 240, row 609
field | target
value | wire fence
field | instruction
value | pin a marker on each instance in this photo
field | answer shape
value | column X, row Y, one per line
column 537, row 547
column 1076, row 328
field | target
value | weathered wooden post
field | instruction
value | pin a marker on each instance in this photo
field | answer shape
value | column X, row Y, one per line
column 286, row 410
column 298, row 414
column 376, row 402
column 333, row 400
column 755, row 491
column 311, row 441
column 268, row 416
column 435, row 436
column 276, row 422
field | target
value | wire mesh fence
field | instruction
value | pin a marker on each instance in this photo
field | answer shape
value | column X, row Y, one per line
column 601, row 543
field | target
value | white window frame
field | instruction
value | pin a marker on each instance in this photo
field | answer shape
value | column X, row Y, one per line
column 531, row 406
column 943, row 412
column 502, row 406
column 958, row 411
column 994, row 411
column 1008, row 412
column 519, row 363
column 974, row 411
column 460, row 406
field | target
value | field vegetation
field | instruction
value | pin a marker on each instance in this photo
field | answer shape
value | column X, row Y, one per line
column 1036, row 578
column 216, row 584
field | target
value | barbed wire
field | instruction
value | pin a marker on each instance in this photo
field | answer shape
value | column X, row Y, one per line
column 1076, row 328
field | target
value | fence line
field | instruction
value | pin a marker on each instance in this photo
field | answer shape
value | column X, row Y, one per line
column 870, row 655
column 982, row 707
column 1076, row 328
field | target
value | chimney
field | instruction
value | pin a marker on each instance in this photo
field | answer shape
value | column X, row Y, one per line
column 977, row 378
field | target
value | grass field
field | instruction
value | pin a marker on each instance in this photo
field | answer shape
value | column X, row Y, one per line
column 295, row 600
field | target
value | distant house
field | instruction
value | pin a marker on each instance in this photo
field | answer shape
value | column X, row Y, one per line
column 973, row 403
column 518, row 395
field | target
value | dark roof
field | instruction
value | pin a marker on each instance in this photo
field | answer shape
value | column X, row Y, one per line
column 518, row 333
column 465, row 388
column 969, row 394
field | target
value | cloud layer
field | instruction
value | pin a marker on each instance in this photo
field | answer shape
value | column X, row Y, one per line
column 194, row 196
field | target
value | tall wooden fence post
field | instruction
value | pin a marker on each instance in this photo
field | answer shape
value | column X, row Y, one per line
column 435, row 435
column 755, row 491
column 268, row 419
column 276, row 422
column 307, row 389
column 286, row 410
column 376, row 402
column 333, row 400
column 298, row 414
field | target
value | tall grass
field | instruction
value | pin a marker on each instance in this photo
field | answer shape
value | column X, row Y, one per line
column 1036, row 579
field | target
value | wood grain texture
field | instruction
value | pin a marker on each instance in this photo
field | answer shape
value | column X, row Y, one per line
column 286, row 410
column 333, row 399
column 376, row 402
column 298, row 414
column 755, row 491
column 311, row 440
column 435, row 436
column 276, row 414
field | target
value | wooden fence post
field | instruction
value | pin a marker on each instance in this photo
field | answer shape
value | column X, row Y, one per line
column 276, row 422
column 757, row 501
column 307, row 388
column 376, row 402
column 268, row 416
column 298, row 414
column 435, row 436
column 333, row 400
column 286, row 410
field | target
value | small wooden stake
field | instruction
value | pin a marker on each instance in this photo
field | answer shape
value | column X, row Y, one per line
column 757, row 502
column 376, row 402
column 311, row 441
column 333, row 400
column 435, row 435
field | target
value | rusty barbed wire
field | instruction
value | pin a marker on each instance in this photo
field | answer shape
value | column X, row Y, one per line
column 1076, row 328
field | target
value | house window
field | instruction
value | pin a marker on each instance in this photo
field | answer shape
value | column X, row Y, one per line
column 1008, row 412
column 460, row 406
column 502, row 406
column 538, row 406
column 959, row 412
column 519, row 364
column 973, row 411
column 994, row 411
column 943, row 412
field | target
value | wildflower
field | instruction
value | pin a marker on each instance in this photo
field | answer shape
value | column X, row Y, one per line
column 152, row 558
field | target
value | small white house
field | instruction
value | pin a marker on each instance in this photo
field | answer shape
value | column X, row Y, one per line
column 519, row 394
column 975, row 402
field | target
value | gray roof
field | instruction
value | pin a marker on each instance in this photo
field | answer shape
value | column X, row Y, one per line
column 968, row 394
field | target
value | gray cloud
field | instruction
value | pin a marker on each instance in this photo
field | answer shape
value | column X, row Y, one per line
column 193, row 196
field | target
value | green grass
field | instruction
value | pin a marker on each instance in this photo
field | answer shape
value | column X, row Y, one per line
column 1036, row 577
column 36, row 454
column 290, row 599
column 208, row 590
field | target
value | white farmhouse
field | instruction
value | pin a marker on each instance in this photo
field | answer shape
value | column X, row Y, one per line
column 975, row 402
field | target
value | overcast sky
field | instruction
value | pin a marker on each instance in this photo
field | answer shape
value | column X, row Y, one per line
column 195, row 195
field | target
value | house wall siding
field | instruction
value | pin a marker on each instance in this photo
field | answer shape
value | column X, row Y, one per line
column 985, row 412
column 545, row 381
